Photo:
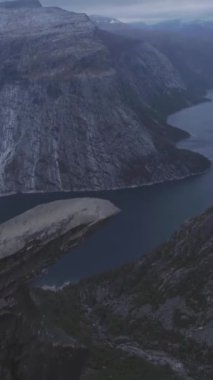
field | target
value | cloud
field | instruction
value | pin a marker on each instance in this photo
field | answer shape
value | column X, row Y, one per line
column 140, row 9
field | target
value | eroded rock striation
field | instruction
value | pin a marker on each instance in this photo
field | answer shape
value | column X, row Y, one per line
column 157, row 311
column 79, row 108
column 31, row 347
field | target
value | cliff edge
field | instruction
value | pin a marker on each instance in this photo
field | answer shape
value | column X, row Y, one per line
column 30, row 346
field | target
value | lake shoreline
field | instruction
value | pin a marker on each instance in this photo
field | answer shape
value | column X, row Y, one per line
column 150, row 213
column 73, row 192
column 179, row 178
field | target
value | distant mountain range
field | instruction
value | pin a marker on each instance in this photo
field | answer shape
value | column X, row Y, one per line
column 104, row 20
column 175, row 25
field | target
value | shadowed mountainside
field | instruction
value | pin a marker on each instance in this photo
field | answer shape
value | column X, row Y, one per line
column 153, row 318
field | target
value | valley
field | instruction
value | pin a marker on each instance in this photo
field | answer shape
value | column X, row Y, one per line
column 139, row 228
column 106, row 194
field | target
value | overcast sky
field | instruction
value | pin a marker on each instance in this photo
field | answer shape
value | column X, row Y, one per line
column 147, row 10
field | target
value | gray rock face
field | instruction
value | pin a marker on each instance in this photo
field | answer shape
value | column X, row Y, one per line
column 30, row 347
column 46, row 222
column 29, row 242
column 74, row 115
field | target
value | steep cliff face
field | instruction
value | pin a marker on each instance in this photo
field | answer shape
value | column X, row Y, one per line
column 30, row 347
column 159, row 311
column 74, row 115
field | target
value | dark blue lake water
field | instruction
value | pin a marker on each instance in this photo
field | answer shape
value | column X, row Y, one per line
column 149, row 214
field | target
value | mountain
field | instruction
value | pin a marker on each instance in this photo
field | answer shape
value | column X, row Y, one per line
column 30, row 347
column 190, row 50
column 177, row 25
column 84, row 109
column 153, row 318
column 104, row 20
column 187, row 44
column 108, row 23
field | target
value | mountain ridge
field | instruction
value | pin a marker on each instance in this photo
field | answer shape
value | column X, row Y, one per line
column 72, row 118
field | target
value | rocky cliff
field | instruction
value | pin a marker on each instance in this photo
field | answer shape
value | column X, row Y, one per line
column 150, row 320
column 30, row 346
column 79, row 111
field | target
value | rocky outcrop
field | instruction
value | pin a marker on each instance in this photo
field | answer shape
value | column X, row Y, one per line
column 152, row 318
column 78, row 108
column 31, row 347
column 159, row 310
